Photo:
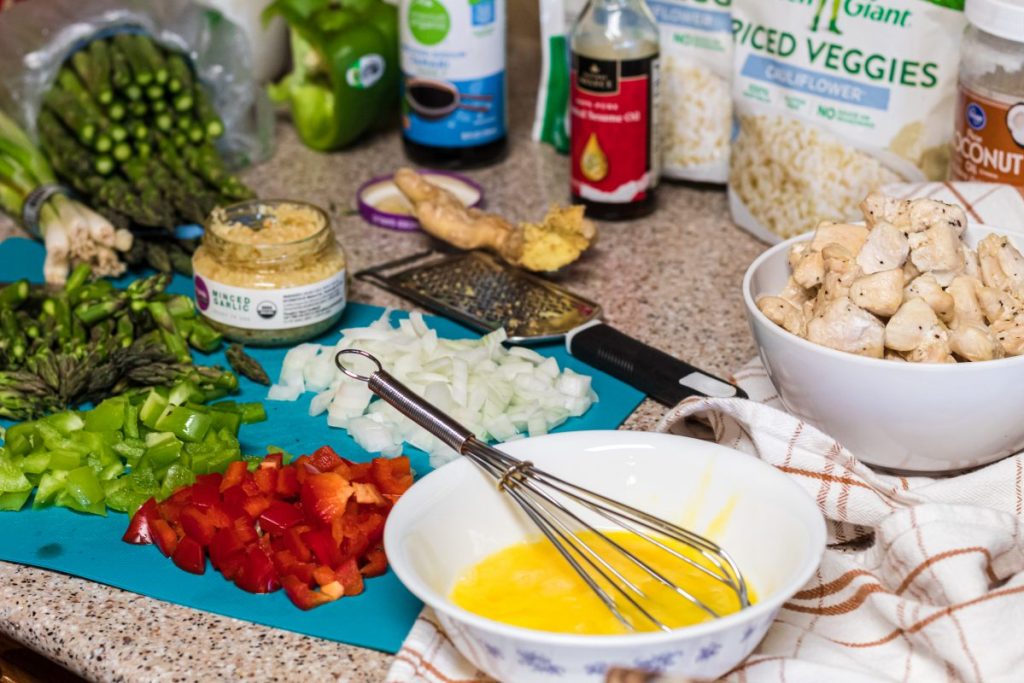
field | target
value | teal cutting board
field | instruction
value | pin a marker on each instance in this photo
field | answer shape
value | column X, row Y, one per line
column 91, row 547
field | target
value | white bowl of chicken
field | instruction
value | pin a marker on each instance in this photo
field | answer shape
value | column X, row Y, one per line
column 899, row 336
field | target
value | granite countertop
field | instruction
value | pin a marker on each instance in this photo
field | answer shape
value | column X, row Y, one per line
column 672, row 280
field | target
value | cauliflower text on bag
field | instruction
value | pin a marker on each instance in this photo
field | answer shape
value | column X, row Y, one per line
column 835, row 98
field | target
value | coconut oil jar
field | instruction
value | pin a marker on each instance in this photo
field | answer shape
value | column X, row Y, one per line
column 988, row 145
column 269, row 272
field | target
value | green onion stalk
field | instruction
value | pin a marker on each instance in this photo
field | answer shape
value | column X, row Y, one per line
column 72, row 232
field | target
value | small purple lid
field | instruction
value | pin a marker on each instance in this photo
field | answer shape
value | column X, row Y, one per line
column 374, row 196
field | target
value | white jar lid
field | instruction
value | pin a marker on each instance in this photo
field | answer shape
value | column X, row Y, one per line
column 1003, row 18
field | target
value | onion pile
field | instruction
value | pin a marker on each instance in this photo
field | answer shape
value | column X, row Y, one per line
column 499, row 393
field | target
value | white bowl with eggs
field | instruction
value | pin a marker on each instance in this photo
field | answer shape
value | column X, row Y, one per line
column 906, row 417
column 455, row 517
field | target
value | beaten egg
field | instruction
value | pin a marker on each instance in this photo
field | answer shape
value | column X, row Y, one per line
column 531, row 585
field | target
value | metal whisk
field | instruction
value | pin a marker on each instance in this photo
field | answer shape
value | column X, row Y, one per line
column 554, row 505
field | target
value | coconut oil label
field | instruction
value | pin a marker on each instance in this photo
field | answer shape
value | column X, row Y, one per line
column 270, row 309
column 453, row 65
column 988, row 145
column 611, row 113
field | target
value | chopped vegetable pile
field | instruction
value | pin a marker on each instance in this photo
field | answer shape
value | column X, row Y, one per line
column 81, row 460
column 313, row 526
column 61, row 347
column 500, row 394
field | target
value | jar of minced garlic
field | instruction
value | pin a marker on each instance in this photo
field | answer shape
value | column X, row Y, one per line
column 269, row 272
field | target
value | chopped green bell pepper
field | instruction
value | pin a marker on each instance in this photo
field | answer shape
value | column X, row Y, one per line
column 345, row 67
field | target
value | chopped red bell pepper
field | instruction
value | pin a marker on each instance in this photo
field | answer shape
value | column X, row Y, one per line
column 323, row 546
column 392, row 475
column 376, row 562
column 257, row 574
column 189, row 556
column 348, row 574
column 233, row 475
column 287, row 483
column 302, row 595
column 313, row 526
column 255, row 505
column 293, row 542
column 324, row 497
column 140, row 528
column 164, row 536
column 279, row 517
column 266, row 479
column 273, row 461
column 325, row 459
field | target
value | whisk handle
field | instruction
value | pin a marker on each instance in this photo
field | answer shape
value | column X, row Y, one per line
column 408, row 403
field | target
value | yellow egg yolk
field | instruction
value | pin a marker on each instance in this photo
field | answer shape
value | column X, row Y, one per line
column 531, row 585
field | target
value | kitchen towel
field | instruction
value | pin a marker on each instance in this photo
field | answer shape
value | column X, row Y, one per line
column 923, row 579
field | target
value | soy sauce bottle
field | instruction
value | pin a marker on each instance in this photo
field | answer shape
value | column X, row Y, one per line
column 453, row 82
column 613, row 109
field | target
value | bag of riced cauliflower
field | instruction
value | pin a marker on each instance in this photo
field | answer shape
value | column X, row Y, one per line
column 695, row 117
column 695, row 99
column 835, row 98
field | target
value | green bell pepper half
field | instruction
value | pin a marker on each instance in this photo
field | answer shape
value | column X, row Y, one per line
column 345, row 67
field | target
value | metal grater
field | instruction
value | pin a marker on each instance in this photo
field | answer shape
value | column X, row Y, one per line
column 484, row 293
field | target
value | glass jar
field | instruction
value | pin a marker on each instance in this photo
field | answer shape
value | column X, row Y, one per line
column 269, row 272
column 988, row 144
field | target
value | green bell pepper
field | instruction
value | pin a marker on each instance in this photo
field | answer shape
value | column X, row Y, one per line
column 345, row 67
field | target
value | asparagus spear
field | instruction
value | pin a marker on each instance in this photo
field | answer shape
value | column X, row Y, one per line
column 142, row 73
column 207, row 115
column 92, row 64
column 153, row 56
column 245, row 365
column 180, row 73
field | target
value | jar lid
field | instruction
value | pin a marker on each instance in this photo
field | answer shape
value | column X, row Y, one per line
column 381, row 203
column 1003, row 18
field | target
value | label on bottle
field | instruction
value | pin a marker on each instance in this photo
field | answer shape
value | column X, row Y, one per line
column 270, row 309
column 453, row 67
column 612, row 109
column 988, row 144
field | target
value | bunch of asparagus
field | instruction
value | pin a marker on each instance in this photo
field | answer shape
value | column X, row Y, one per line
column 60, row 347
column 128, row 126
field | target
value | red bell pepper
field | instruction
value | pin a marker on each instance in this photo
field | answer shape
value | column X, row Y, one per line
column 392, row 475
column 279, row 517
column 302, row 595
column 266, row 479
column 233, row 475
column 313, row 526
column 376, row 562
column 164, row 536
column 287, row 483
column 323, row 546
column 257, row 574
column 140, row 529
column 189, row 556
column 324, row 497
column 349, row 577
column 325, row 459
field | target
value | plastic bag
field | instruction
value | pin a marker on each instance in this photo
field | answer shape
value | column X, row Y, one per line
column 695, row 97
column 835, row 99
column 36, row 38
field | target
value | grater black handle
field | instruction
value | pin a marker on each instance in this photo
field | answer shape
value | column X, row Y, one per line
column 664, row 378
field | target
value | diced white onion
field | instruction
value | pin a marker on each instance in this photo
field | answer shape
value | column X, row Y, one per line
column 499, row 393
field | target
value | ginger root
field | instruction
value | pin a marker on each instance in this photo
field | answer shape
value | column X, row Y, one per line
column 558, row 240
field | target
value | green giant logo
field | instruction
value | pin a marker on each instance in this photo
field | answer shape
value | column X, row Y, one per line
column 428, row 21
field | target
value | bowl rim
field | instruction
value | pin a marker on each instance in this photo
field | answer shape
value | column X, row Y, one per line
column 754, row 314
column 815, row 538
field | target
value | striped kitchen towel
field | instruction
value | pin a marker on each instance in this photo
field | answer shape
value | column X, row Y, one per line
column 923, row 579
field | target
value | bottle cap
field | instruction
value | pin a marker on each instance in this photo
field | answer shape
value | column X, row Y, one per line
column 381, row 203
column 1003, row 18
